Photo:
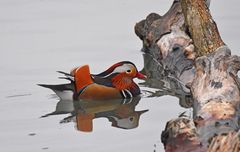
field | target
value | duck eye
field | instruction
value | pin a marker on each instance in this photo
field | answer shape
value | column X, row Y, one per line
column 131, row 118
column 128, row 71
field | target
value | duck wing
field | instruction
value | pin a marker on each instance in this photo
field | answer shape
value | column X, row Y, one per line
column 82, row 77
column 102, row 81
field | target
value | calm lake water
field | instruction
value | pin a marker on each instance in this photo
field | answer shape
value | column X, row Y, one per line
column 40, row 37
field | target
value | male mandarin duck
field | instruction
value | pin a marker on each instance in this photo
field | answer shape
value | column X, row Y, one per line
column 116, row 82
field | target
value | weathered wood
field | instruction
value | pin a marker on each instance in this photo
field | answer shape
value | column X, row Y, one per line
column 225, row 143
column 215, row 87
column 180, row 135
column 216, row 94
column 171, row 64
column 168, row 53
column 201, row 26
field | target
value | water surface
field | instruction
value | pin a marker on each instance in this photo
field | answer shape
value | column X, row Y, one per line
column 39, row 37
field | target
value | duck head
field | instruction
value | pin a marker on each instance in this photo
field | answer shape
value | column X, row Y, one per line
column 121, row 75
column 127, row 121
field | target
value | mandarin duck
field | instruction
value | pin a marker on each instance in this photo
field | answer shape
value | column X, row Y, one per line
column 114, row 83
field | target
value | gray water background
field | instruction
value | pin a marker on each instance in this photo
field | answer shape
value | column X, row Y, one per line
column 39, row 37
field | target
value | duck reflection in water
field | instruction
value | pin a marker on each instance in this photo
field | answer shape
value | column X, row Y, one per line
column 120, row 112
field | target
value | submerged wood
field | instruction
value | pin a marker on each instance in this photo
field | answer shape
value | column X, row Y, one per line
column 183, row 49
column 180, row 135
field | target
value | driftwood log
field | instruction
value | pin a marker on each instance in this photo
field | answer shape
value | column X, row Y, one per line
column 168, row 53
column 185, row 56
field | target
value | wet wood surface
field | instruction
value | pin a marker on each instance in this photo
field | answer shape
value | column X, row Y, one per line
column 186, row 57
column 201, row 26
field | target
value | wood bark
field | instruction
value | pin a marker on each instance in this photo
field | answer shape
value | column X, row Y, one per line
column 180, row 135
column 201, row 26
column 183, row 50
column 168, row 53
column 215, row 86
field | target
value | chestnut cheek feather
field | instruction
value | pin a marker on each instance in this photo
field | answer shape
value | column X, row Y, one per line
column 122, row 81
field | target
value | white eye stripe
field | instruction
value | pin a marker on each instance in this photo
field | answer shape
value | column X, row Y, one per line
column 120, row 69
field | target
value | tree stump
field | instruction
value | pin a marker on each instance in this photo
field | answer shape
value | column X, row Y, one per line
column 168, row 53
column 185, row 54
